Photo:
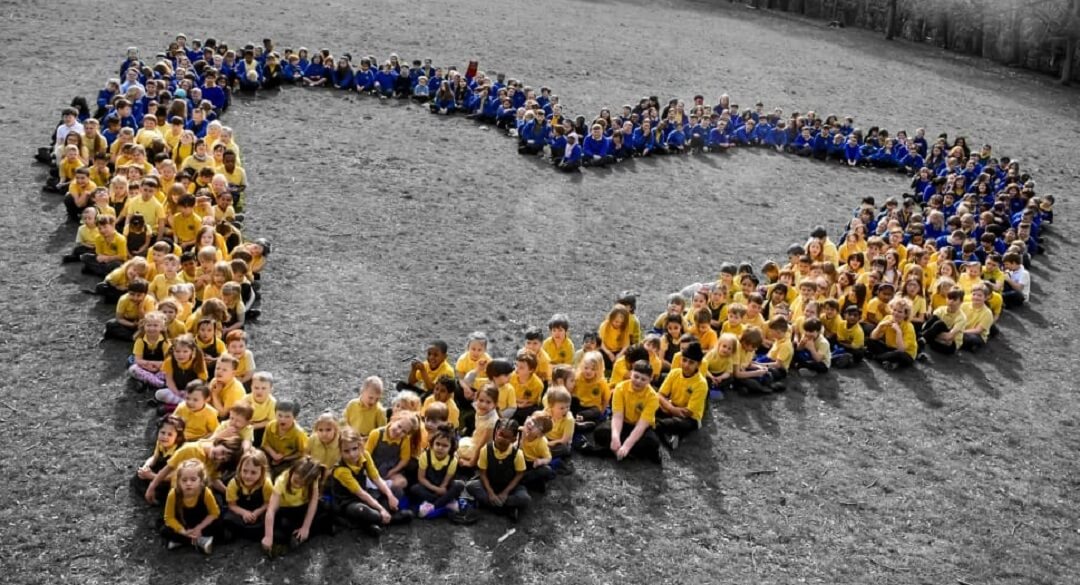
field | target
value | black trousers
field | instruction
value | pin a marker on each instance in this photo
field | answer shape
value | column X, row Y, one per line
column 647, row 447
column 667, row 424
column 881, row 352
column 421, row 494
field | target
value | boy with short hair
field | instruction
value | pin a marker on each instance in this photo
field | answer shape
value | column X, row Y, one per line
column 365, row 413
column 526, row 384
column 944, row 331
column 630, row 430
column 534, row 345
column 130, row 310
column 558, row 345
column 813, row 354
column 427, row 372
column 1017, row 289
column 682, row 397
column 284, row 440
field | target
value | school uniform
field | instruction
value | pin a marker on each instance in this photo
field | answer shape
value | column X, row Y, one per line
column 682, row 391
column 249, row 499
column 634, row 406
column 183, row 514
column 501, row 467
column 435, row 471
column 293, row 509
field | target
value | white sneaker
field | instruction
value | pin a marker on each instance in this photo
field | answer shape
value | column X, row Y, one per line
column 426, row 508
column 172, row 545
column 205, row 544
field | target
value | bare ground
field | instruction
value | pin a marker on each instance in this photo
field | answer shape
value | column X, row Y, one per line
column 392, row 227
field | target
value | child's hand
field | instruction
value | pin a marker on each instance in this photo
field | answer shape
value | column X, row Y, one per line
column 194, row 534
column 622, row 452
column 393, row 501
column 250, row 517
column 439, row 491
column 616, row 444
column 495, row 499
column 267, row 543
column 145, row 473
column 150, row 496
column 384, row 516
column 302, row 533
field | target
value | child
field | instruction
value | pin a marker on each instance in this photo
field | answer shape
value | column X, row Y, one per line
column 751, row 376
column 533, row 443
column 436, row 489
column 225, row 389
column 215, row 453
column 475, row 354
column 570, row 162
column 703, row 330
column 558, row 346
column 812, row 354
column 561, row 436
column 428, row 371
column 248, row 496
column 183, row 365
column 682, row 397
column 170, row 436
column 200, row 419
column 209, row 343
column 944, row 331
column 526, row 384
column 293, row 511
column 365, row 414
column 534, row 345
column 323, row 442
column 781, row 352
column 590, row 341
column 502, row 467
column 391, row 448
column 499, row 371
column 486, row 417
column 85, row 237
column 236, row 344
column 263, row 404
column 191, row 512
column 1017, row 289
column 893, row 342
column 592, row 395
column 284, row 440
column 614, row 335
column 979, row 319
column 443, row 393
column 130, row 310
column 358, row 493
column 719, row 365
column 850, row 339
column 148, row 355
column 633, row 416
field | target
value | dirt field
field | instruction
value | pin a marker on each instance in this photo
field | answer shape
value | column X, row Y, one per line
column 391, row 227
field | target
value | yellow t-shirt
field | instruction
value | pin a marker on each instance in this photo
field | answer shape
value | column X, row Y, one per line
column 635, row 406
column 519, row 457
column 151, row 210
column 288, row 443
column 956, row 322
column 197, row 424
column 782, row 351
column 159, row 288
column 594, row 394
column 535, row 449
column 981, row 317
column 128, row 309
column 382, row 434
column 264, row 411
column 853, row 336
column 326, row 453
column 444, row 369
column 911, row 345
column 230, row 394
column 717, row 364
column 560, row 428
column 686, row 392
column 438, row 464
column 529, row 391
column 507, row 397
column 466, row 364
column 344, row 473
column 174, row 522
column 186, row 228
column 559, row 353
column 289, row 497
column 115, row 246
column 235, row 490
column 364, row 419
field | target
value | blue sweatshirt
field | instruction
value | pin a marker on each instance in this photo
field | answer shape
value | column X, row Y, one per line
column 592, row 148
column 573, row 155
column 364, row 79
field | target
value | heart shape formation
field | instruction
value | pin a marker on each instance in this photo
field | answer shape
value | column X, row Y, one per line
column 970, row 223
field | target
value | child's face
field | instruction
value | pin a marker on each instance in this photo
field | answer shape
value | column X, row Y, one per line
column 190, row 482
column 589, row 370
column 195, row 401
column 533, row 345
column 237, row 347
column 830, row 312
column 558, row 334
column 476, row 349
column 953, row 304
column 532, row 431
column 618, row 321
column 238, row 422
column 167, row 435
column 260, row 389
column 188, row 266
column 285, row 420
column 370, row 396
column 107, row 230
column 137, row 297
column 397, row 429
column 590, row 344
column 559, row 410
column 182, row 353
column 639, row 381
column 522, row 369
column 689, row 367
column 503, row 439
column 483, row 403
column 673, row 329
column 702, row 328
column 224, row 372
column 440, row 447
column 675, row 308
column 753, row 309
column 441, row 393
column 169, row 266
column 725, row 348
column 350, row 452
column 153, row 327
column 502, row 379
column 206, row 331
column 851, row 318
column 326, row 432
column 250, row 473
column 734, row 318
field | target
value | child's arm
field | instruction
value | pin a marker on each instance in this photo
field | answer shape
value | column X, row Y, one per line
column 635, row 436
column 304, row 531
column 120, row 317
column 616, row 432
column 492, row 496
column 144, row 471
column 212, row 514
column 268, row 522
column 163, row 475
column 565, row 439
column 510, row 487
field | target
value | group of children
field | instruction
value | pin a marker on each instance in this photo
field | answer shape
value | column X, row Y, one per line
column 931, row 270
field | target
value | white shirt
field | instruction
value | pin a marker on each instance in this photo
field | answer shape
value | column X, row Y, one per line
column 63, row 130
column 1023, row 278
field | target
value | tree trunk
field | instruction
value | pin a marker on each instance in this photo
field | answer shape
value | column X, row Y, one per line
column 890, row 21
column 1070, row 42
column 1017, row 38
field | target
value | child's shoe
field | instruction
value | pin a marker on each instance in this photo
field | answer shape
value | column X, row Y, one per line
column 173, row 545
column 205, row 544
column 426, row 509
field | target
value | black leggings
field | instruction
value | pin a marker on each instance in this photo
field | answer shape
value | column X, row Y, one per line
column 422, row 494
column 881, row 352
